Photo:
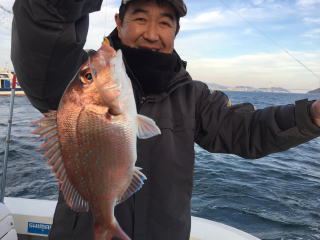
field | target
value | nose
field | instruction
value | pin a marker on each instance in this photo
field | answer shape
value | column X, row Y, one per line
column 151, row 33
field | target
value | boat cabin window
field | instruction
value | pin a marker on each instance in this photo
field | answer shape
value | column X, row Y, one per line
column 1, row 83
column 3, row 75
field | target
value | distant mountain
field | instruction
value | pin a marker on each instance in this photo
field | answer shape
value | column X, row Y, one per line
column 252, row 89
column 246, row 88
column 275, row 90
column 315, row 91
column 216, row 86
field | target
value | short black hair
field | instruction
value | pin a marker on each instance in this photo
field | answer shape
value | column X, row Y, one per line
column 124, row 7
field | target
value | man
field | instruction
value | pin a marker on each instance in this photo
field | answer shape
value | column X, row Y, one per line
column 47, row 41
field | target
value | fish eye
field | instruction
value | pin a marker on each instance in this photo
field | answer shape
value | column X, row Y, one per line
column 86, row 76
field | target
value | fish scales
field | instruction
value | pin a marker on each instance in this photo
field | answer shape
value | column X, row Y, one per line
column 92, row 145
column 110, row 158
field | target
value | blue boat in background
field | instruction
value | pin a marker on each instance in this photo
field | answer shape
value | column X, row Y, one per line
column 5, row 83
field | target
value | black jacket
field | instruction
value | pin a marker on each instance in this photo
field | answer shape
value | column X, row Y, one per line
column 47, row 42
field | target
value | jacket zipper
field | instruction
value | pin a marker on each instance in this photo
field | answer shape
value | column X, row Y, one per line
column 142, row 101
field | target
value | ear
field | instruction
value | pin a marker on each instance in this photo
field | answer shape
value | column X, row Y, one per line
column 119, row 23
column 178, row 29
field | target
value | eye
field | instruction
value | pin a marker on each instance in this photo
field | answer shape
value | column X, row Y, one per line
column 165, row 24
column 86, row 76
column 140, row 19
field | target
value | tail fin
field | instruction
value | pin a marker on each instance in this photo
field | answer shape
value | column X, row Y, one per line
column 115, row 232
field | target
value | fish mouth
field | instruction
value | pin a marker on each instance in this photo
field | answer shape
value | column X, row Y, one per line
column 112, row 87
column 109, row 93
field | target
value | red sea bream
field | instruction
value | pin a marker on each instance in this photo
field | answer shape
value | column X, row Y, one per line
column 91, row 140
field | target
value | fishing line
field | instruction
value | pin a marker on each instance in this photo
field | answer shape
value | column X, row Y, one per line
column 106, row 18
column 5, row 19
column 4, row 9
column 272, row 41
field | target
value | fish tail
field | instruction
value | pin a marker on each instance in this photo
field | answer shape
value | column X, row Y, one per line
column 114, row 232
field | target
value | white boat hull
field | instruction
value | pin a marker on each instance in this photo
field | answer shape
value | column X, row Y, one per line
column 17, row 92
column 33, row 219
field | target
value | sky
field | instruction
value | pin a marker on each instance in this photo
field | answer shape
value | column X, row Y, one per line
column 257, row 43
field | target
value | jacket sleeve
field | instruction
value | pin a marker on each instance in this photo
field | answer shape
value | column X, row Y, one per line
column 250, row 133
column 47, row 46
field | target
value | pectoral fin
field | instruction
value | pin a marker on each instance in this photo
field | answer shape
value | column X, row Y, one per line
column 136, row 184
column 147, row 128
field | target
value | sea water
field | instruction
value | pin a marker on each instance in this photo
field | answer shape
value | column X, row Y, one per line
column 276, row 197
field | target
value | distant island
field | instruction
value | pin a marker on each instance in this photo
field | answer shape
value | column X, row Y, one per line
column 315, row 91
column 214, row 86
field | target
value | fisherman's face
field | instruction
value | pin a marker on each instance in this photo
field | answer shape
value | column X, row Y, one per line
column 148, row 25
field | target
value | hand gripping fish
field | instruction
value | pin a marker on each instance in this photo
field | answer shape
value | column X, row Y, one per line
column 91, row 140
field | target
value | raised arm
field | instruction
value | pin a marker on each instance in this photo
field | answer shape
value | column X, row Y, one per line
column 47, row 46
column 250, row 133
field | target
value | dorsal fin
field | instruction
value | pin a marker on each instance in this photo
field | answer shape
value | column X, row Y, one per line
column 48, row 130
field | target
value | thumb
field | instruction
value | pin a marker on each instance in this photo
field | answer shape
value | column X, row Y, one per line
column 315, row 112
